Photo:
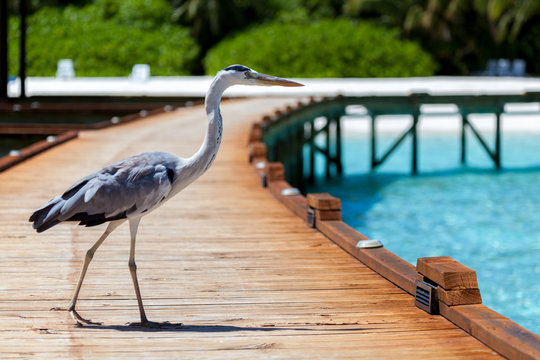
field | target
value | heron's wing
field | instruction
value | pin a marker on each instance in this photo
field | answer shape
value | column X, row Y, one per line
column 125, row 189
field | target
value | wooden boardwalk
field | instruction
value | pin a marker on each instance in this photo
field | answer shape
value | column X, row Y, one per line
column 246, row 277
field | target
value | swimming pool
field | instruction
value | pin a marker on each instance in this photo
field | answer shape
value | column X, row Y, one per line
column 487, row 220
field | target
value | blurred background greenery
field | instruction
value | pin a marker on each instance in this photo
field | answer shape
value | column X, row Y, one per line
column 307, row 38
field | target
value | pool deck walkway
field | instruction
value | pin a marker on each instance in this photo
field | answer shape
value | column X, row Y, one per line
column 246, row 277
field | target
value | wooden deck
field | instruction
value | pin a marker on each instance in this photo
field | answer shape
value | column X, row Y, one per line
column 246, row 276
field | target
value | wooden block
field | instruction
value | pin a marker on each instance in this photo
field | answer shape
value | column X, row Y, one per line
column 459, row 296
column 421, row 263
column 447, row 273
column 325, row 215
column 324, row 201
column 274, row 171
column 267, row 119
column 255, row 135
column 257, row 150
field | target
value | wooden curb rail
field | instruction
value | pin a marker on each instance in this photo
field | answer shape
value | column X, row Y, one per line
column 51, row 128
column 63, row 132
column 454, row 291
column 34, row 149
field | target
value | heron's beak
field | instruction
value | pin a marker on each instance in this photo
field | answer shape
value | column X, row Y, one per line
column 269, row 80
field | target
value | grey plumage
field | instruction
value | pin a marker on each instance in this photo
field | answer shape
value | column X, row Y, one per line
column 125, row 189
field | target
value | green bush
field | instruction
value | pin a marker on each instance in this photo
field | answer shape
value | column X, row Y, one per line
column 105, row 38
column 325, row 48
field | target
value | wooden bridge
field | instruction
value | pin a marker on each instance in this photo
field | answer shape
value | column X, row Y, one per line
column 296, row 132
column 244, row 274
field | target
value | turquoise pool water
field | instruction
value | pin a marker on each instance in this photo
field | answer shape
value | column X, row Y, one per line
column 487, row 220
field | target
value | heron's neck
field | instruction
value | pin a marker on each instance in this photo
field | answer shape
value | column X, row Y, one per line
column 208, row 150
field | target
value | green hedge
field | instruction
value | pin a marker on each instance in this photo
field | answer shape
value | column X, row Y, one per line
column 326, row 48
column 105, row 38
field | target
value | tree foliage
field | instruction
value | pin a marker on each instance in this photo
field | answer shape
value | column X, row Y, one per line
column 173, row 36
column 106, row 38
column 325, row 48
column 461, row 34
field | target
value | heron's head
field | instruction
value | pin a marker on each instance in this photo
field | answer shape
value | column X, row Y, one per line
column 242, row 75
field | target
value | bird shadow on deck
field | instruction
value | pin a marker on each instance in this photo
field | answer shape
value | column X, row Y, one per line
column 211, row 328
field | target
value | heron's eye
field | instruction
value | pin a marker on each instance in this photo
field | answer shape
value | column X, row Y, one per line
column 247, row 74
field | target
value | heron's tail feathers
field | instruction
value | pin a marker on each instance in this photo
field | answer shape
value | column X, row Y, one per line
column 58, row 209
column 74, row 205
column 47, row 216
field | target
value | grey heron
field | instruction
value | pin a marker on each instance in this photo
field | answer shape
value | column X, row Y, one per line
column 136, row 186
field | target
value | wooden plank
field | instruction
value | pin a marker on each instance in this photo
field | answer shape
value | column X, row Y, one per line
column 494, row 330
column 385, row 263
column 296, row 203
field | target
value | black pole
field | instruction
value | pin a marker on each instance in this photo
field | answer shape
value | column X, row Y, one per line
column 339, row 162
column 497, row 159
column 3, row 49
column 312, row 152
column 300, row 156
column 374, row 161
column 463, row 138
column 22, row 54
column 328, row 156
column 414, row 133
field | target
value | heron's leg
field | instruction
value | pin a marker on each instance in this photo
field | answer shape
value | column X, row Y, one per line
column 89, row 255
column 133, row 226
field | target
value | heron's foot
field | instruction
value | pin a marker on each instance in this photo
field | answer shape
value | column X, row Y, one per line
column 57, row 308
column 80, row 320
column 155, row 325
